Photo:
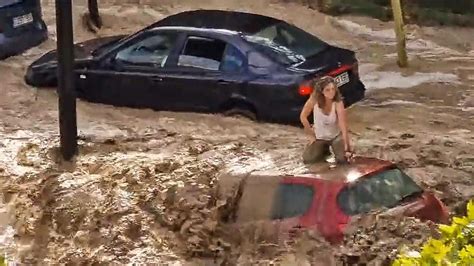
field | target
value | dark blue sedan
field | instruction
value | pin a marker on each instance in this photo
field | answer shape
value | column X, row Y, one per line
column 208, row 61
column 21, row 26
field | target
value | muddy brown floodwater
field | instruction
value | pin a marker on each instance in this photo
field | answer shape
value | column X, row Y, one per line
column 145, row 188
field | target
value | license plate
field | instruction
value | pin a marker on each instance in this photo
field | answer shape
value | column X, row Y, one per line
column 22, row 20
column 342, row 79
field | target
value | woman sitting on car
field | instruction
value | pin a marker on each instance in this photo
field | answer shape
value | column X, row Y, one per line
column 330, row 127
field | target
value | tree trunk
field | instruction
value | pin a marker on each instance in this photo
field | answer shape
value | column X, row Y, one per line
column 94, row 13
column 400, row 32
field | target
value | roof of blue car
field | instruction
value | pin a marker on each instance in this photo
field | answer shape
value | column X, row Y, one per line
column 218, row 19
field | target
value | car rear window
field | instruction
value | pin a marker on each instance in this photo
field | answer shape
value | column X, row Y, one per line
column 285, row 43
column 385, row 189
column 292, row 200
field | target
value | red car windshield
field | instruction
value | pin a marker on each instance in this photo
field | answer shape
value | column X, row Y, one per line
column 384, row 189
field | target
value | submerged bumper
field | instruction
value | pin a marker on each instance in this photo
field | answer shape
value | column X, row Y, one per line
column 353, row 93
column 290, row 114
column 13, row 45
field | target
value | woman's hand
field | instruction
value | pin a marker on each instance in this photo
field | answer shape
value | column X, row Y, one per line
column 347, row 147
column 341, row 115
column 349, row 154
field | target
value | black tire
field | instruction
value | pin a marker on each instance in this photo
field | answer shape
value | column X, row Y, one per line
column 241, row 111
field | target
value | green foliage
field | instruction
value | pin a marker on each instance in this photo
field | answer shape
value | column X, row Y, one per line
column 454, row 247
column 423, row 12
column 429, row 16
column 361, row 7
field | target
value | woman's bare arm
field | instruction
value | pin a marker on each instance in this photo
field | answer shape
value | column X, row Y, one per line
column 342, row 121
column 305, row 112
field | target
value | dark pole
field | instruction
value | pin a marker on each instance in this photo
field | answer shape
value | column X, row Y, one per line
column 94, row 13
column 66, row 91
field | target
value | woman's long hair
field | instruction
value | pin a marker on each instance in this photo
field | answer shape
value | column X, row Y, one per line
column 318, row 87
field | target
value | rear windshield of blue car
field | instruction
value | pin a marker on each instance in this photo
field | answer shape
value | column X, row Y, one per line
column 286, row 44
column 385, row 189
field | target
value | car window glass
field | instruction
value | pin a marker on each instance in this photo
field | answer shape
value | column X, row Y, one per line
column 292, row 200
column 385, row 189
column 203, row 53
column 153, row 50
column 286, row 43
column 268, row 33
column 278, row 35
column 233, row 60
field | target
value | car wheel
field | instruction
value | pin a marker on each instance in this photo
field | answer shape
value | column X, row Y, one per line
column 241, row 112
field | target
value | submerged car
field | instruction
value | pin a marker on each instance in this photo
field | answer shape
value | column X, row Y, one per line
column 208, row 61
column 21, row 26
column 328, row 200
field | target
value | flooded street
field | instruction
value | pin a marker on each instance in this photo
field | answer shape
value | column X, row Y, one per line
column 145, row 187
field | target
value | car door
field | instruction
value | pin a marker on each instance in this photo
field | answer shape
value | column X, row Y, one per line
column 205, row 73
column 294, row 204
column 131, row 72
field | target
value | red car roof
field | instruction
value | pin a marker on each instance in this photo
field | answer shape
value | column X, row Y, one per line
column 346, row 173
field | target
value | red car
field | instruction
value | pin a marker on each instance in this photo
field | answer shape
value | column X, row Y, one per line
column 326, row 199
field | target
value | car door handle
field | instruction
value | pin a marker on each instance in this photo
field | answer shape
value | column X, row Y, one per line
column 222, row 81
column 156, row 79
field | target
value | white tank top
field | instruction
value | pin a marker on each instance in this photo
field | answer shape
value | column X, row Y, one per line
column 325, row 126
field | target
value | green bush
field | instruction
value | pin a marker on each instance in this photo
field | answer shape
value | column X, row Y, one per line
column 360, row 7
column 454, row 247
column 436, row 17
column 423, row 12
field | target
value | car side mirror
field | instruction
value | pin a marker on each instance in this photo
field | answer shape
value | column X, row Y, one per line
column 256, row 60
column 108, row 62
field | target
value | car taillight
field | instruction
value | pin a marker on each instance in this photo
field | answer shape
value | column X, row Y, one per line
column 443, row 212
column 305, row 89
